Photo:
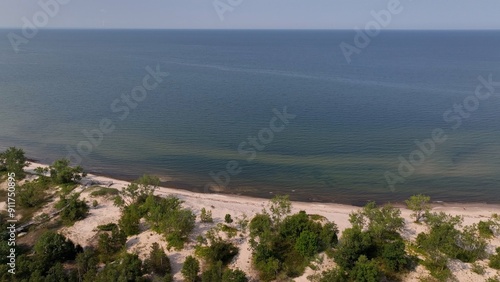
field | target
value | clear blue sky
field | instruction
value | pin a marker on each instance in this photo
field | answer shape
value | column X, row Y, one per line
column 276, row 14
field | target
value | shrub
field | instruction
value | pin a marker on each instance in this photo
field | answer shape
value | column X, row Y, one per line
column 95, row 203
column 109, row 245
column 104, row 191
column 353, row 244
column 236, row 275
column 419, row 204
column 443, row 236
column 158, row 262
column 334, row 275
column 62, row 173
column 286, row 245
column 72, row 209
column 484, row 228
column 166, row 216
column 394, row 256
column 31, row 194
column 307, row 244
column 190, row 269
column 129, row 268
column 13, row 160
column 230, row 231
column 495, row 260
column 218, row 250
column 107, row 227
column 206, row 216
column 477, row 268
column 53, row 247
column 365, row 271
column 228, row 219
column 129, row 221
column 437, row 264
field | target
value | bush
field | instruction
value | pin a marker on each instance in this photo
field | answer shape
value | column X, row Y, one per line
column 72, row 209
column 107, row 227
column 158, row 262
column 307, row 244
column 218, row 251
column 463, row 245
column 13, row 160
column 206, row 216
column 190, row 269
column 286, row 245
column 394, row 256
column 230, row 231
column 129, row 221
column 477, row 268
column 419, row 204
column 236, row 275
column 437, row 264
column 52, row 247
column 104, row 191
column 31, row 194
column 166, row 216
column 484, row 228
column 228, row 219
column 129, row 268
column 365, row 271
column 495, row 260
column 353, row 244
column 334, row 275
column 62, row 173
column 109, row 245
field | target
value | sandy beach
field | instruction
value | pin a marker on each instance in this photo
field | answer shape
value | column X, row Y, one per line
column 84, row 231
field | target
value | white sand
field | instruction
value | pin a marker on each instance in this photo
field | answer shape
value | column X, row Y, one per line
column 83, row 232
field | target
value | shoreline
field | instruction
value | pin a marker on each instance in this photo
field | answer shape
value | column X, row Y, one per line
column 242, row 207
column 119, row 183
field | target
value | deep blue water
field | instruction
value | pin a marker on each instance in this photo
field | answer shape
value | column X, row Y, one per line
column 352, row 121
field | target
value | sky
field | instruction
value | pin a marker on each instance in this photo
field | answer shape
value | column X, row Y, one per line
column 250, row 14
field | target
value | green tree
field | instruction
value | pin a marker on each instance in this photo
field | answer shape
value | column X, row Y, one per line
column 62, row 173
column 307, row 244
column 206, row 216
column 228, row 219
column 280, row 206
column 217, row 251
column 129, row 221
column 394, row 255
column 213, row 273
column 72, row 209
column 353, row 244
column 86, row 264
column 53, row 247
column 31, row 194
column 495, row 260
column 158, row 262
column 13, row 160
column 365, row 271
column 236, row 275
column 138, row 191
column 108, row 245
column 334, row 275
column 260, row 224
column 166, row 216
column 56, row 273
column 420, row 205
column 382, row 222
column 190, row 269
column 128, row 268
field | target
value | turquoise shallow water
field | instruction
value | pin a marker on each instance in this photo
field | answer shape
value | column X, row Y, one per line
column 352, row 121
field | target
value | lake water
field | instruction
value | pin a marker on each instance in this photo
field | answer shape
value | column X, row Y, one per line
column 353, row 121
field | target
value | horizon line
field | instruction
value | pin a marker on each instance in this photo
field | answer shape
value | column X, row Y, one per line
column 258, row 29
